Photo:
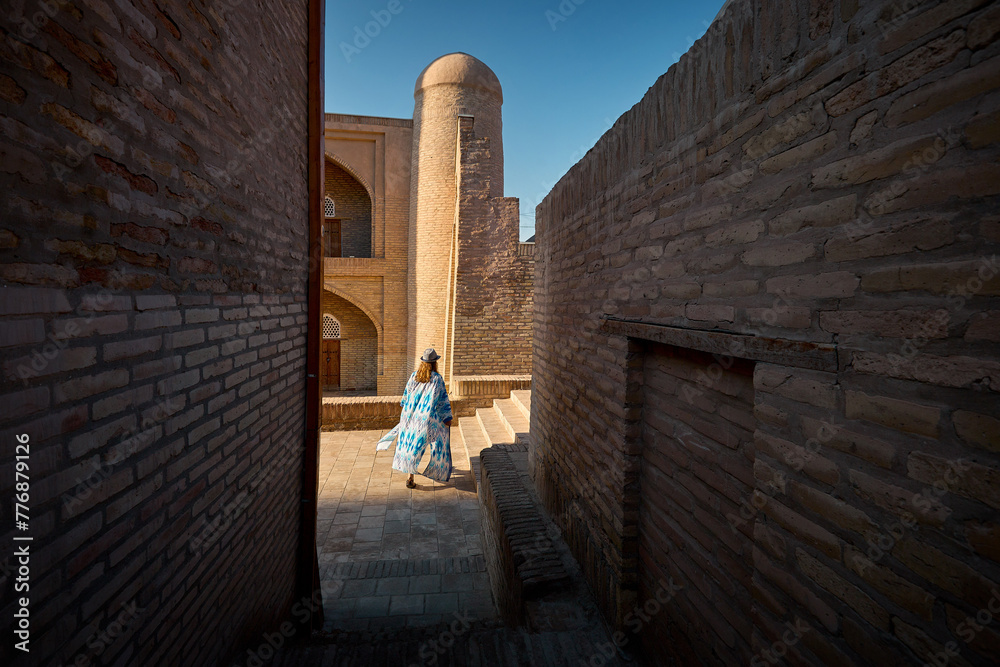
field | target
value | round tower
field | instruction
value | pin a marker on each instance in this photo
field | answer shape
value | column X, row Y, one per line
column 453, row 85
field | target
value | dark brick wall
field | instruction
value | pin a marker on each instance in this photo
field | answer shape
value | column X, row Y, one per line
column 354, row 208
column 697, row 467
column 824, row 173
column 153, row 256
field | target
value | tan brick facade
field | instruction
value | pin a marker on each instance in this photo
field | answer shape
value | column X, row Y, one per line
column 446, row 269
column 371, row 155
column 765, row 361
column 491, row 327
column 435, row 194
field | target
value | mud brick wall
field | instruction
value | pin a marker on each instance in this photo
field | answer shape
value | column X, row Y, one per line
column 493, row 285
column 697, row 467
column 354, row 208
column 358, row 343
column 153, row 262
column 826, row 174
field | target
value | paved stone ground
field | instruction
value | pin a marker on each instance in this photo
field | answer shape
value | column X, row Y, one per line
column 405, row 581
column 390, row 556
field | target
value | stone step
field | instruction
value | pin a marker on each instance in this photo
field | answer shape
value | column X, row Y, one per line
column 512, row 419
column 493, row 427
column 499, row 435
column 475, row 441
column 522, row 399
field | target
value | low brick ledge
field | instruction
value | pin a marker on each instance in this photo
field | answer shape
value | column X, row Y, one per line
column 522, row 559
column 360, row 413
column 488, row 386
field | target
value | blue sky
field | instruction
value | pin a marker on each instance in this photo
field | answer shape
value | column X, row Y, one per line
column 568, row 69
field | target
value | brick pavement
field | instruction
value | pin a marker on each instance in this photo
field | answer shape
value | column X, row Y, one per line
column 390, row 556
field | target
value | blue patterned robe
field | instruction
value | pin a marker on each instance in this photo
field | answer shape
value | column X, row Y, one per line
column 426, row 408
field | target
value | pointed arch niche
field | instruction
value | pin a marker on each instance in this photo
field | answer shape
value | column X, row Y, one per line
column 351, row 340
column 349, row 231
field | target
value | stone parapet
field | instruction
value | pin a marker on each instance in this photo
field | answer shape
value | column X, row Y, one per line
column 488, row 386
column 372, row 412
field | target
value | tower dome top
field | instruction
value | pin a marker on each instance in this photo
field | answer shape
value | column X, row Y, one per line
column 459, row 69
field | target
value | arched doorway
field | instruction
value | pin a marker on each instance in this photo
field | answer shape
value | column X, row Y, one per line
column 347, row 227
column 330, row 353
column 356, row 345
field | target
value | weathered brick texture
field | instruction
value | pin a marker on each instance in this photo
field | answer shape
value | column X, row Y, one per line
column 820, row 177
column 153, row 254
column 493, row 281
column 520, row 556
column 697, row 467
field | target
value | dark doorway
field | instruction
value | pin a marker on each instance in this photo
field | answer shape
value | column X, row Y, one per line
column 331, row 237
column 697, row 472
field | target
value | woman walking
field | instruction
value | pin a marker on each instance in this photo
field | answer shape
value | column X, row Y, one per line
column 425, row 420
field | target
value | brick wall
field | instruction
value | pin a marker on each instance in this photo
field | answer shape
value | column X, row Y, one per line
column 493, row 282
column 697, row 467
column 821, row 177
column 358, row 343
column 153, row 322
column 354, row 208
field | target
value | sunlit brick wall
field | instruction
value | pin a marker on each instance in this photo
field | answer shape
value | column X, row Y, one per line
column 825, row 173
column 153, row 270
column 493, row 286
column 434, row 196
column 379, row 286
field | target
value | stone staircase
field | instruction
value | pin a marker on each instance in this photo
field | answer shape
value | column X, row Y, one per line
column 505, row 426
column 560, row 626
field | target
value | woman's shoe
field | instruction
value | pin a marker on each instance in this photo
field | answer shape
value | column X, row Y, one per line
column 410, row 484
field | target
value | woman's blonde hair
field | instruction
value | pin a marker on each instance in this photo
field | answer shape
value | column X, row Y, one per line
column 425, row 370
